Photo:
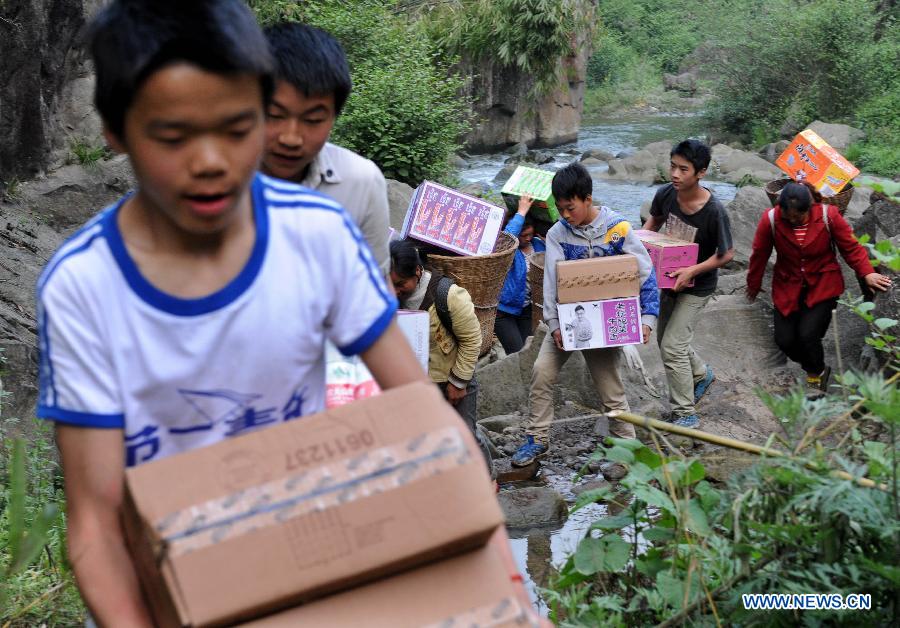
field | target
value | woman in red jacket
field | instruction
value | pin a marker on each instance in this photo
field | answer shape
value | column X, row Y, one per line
column 807, row 280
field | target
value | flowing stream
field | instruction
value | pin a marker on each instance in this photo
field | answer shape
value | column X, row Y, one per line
column 613, row 135
column 537, row 550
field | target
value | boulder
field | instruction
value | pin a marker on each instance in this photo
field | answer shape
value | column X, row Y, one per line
column 517, row 149
column 858, row 204
column 643, row 166
column 399, row 196
column 626, row 152
column 590, row 162
column 745, row 211
column 73, row 194
column 505, row 173
column 458, row 162
column 738, row 164
column 501, row 422
column 839, row 136
column 660, row 149
column 881, row 220
column 597, row 153
column 474, row 189
column 541, row 157
column 508, row 473
column 685, row 82
column 532, row 507
column 771, row 152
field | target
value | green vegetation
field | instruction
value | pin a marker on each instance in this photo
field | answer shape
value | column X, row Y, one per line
column 529, row 35
column 83, row 152
column 772, row 66
column 821, row 514
column 36, row 583
column 405, row 112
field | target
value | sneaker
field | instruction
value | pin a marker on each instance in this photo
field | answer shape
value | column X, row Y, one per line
column 691, row 420
column 528, row 453
column 819, row 382
column 703, row 385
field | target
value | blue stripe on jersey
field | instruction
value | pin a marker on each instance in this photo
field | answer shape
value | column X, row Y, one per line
column 204, row 305
column 81, row 419
column 373, row 333
column 72, row 247
column 300, row 197
column 46, row 388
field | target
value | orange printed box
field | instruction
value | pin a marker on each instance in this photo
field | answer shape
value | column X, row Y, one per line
column 810, row 158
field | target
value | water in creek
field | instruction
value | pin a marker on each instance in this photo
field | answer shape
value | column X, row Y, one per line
column 613, row 135
column 539, row 551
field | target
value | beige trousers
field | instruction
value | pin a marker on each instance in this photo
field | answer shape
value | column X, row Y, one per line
column 678, row 314
column 603, row 365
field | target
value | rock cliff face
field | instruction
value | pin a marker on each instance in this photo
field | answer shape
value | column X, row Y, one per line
column 44, row 78
column 506, row 112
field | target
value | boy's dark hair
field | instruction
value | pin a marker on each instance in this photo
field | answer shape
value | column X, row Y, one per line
column 695, row 152
column 572, row 181
column 579, row 308
column 405, row 258
column 131, row 39
column 795, row 196
column 310, row 60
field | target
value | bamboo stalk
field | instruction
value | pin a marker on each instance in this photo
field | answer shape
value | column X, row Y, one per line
column 732, row 443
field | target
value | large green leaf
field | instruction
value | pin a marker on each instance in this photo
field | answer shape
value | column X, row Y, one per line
column 654, row 497
column 608, row 553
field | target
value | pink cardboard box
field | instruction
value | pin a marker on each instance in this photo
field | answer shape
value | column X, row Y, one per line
column 668, row 254
column 452, row 220
column 599, row 324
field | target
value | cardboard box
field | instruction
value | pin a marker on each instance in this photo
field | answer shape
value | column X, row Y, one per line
column 452, row 220
column 276, row 517
column 599, row 324
column 474, row 589
column 536, row 183
column 416, row 326
column 597, row 278
column 810, row 158
column 668, row 254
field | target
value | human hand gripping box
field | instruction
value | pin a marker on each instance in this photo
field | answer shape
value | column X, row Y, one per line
column 536, row 183
column 668, row 254
column 810, row 158
column 451, row 220
column 598, row 304
column 292, row 512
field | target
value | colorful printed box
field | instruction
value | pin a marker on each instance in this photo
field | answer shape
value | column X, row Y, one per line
column 668, row 254
column 536, row 183
column 597, row 278
column 599, row 324
column 452, row 220
column 810, row 158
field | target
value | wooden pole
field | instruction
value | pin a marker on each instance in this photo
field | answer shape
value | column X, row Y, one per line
column 732, row 443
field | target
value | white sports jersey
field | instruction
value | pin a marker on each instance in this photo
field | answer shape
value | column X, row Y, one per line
column 177, row 374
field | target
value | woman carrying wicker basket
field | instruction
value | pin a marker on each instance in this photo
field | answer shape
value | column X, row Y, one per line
column 455, row 331
column 807, row 279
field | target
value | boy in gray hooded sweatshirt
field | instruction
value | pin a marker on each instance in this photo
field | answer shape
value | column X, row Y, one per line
column 585, row 231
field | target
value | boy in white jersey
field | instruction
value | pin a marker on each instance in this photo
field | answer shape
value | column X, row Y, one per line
column 196, row 308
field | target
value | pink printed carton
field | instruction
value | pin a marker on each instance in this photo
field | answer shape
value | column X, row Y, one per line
column 451, row 220
column 600, row 324
column 668, row 254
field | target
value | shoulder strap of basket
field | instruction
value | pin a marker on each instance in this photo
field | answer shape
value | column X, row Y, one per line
column 825, row 219
column 772, row 222
column 440, row 302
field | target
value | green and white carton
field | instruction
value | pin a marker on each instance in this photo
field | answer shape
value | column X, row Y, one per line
column 535, row 183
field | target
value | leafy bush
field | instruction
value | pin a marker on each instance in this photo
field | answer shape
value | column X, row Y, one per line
column 531, row 35
column 821, row 513
column 405, row 112
column 785, row 63
column 36, row 583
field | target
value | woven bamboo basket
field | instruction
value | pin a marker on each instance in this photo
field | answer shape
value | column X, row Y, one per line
column 536, row 283
column 482, row 276
column 841, row 199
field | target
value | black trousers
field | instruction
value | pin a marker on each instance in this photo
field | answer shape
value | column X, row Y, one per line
column 467, row 409
column 513, row 331
column 800, row 334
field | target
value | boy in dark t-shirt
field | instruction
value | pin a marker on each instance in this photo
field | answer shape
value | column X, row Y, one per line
column 686, row 210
